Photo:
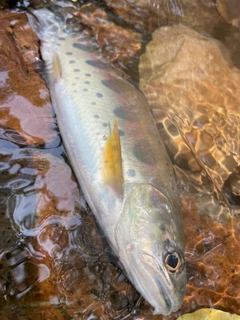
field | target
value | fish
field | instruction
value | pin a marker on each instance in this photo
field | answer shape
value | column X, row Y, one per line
column 119, row 159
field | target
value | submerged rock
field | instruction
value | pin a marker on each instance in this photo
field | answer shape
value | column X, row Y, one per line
column 115, row 44
column 53, row 260
column 230, row 11
column 200, row 15
column 193, row 91
column 212, row 264
column 150, row 14
column 24, row 97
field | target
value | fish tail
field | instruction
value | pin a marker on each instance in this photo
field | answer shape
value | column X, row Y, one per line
column 47, row 28
column 44, row 24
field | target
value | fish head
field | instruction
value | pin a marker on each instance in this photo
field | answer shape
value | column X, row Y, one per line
column 150, row 243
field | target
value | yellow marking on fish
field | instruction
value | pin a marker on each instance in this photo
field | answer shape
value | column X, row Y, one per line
column 56, row 67
column 112, row 161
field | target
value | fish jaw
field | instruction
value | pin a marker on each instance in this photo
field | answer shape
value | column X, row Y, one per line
column 151, row 247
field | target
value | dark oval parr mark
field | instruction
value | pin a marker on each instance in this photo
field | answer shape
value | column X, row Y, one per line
column 142, row 152
column 81, row 47
column 96, row 64
column 124, row 112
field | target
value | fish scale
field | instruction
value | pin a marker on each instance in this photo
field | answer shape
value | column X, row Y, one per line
column 142, row 223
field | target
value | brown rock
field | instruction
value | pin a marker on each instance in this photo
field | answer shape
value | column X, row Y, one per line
column 200, row 15
column 210, row 251
column 24, row 97
column 118, row 45
column 230, row 11
column 148, row 15
column 191, row 80
column 55, row 255
column 40, row 204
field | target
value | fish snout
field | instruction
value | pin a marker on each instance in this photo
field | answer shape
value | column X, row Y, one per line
column 163, row 290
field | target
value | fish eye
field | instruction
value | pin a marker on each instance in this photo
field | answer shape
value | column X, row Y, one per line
column 172, row 262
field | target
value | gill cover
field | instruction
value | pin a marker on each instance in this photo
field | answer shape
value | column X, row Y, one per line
column 151, row 247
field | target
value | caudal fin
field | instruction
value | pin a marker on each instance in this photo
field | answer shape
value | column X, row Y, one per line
column 47, row 28
column 44, row 24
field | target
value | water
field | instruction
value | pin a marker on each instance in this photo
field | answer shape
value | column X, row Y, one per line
column 54, row 262
column 51, row 252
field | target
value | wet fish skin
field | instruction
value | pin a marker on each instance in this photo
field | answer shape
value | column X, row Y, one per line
column 146, row 236
column 144, row 224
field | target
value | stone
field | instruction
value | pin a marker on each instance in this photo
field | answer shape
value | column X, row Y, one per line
column 190, row 81
column 24, row 97
column 230, row 11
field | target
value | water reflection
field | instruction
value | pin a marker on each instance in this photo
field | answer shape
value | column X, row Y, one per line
column 52, row 250
column 24, row 98
column 30, row 235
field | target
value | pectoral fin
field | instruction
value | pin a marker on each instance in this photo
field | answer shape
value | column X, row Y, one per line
column 112, row 161
column 56, row 66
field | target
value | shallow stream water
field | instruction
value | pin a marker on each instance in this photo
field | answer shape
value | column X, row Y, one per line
column 54, row 261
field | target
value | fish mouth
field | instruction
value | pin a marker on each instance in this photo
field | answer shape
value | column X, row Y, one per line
column 169, row 303
column 166, row 304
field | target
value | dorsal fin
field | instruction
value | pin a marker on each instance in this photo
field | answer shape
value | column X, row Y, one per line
column 56, row 67
column 112, row 161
